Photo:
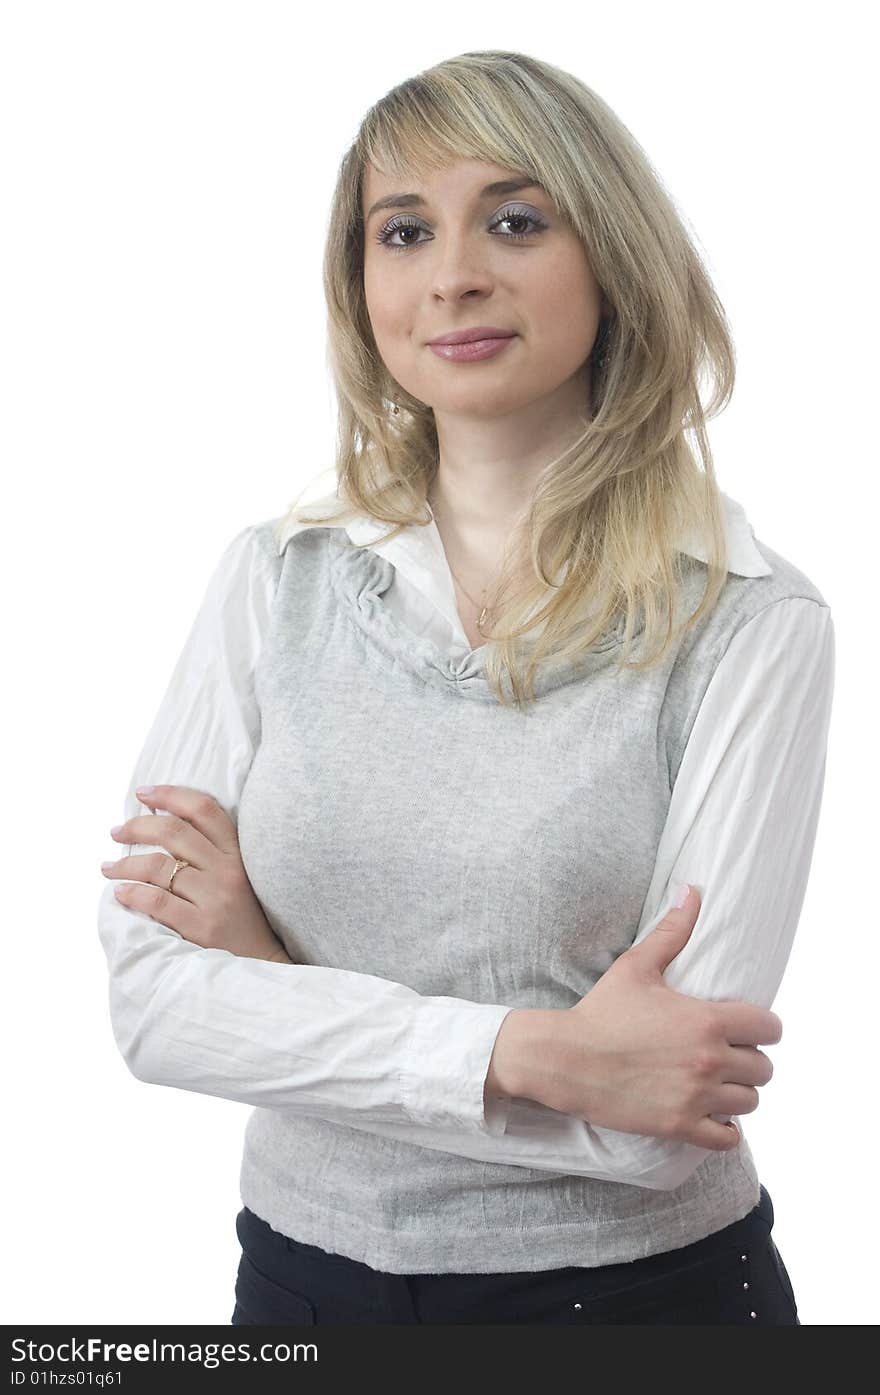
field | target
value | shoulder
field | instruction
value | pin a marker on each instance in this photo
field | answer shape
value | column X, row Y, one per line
column 783, row 615
column 776, row 612
column 758, row 574
column 258, row 543
column 245, row 576
column 777, row 648
column 267, row 542
column 253, row 561
column 255, row 548
column 768, row 641
column 775, row 595
column 784, row 580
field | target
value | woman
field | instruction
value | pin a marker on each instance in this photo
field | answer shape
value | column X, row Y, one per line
column 436, row 759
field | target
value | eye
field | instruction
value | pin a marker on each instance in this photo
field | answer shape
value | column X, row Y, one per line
column 507, row 215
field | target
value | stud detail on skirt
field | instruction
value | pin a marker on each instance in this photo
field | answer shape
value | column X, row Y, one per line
column 743, row 1258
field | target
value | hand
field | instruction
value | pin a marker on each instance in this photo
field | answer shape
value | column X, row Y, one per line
column 212, row 903
column 638, row 1056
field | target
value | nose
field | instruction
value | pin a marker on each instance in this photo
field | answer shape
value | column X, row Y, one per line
column 460, row 268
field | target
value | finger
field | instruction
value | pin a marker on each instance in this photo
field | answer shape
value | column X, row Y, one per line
column 198, row 808
column 746, row 1065
column 156, row 869
column 162, row 906
column 746, row 1024
column 168, row 831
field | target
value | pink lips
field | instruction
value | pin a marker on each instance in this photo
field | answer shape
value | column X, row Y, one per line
column 472, row 349
column 467, row 336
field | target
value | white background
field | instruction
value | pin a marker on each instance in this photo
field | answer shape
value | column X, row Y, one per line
column 166, row 176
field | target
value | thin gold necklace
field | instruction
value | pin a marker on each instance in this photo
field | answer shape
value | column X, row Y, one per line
column 485, row 612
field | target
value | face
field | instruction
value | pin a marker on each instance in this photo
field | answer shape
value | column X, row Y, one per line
column 459, row 258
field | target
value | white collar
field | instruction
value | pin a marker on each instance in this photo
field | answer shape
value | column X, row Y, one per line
column 421, row 547
column 418, row 553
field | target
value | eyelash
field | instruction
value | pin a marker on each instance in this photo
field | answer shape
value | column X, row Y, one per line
column 508, row 214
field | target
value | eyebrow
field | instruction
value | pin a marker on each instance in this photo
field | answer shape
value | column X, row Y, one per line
column 501, row 186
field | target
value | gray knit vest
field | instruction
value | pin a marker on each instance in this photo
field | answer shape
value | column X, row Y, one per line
column 399, row 821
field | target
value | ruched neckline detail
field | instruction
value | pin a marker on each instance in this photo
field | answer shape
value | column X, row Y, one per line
column 360, row 578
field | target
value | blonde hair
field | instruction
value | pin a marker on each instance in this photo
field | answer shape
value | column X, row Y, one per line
column 603, row 524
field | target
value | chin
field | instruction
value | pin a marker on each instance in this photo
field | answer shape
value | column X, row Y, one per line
column 480, row 403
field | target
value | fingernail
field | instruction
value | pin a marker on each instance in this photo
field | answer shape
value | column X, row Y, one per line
column 115, row 829
column 680, row 893
column 145, row 789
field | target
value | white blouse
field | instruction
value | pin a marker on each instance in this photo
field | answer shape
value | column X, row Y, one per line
column 741, row 827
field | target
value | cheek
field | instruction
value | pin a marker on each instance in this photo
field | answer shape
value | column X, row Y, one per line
column 380, row 302
column 567, row 318
column 388, row 314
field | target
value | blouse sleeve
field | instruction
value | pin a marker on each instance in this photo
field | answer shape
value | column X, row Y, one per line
column 741, row 827
column 344, row 1045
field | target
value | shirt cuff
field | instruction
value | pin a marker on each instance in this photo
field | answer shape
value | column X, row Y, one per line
column 497, row 1115
column 449, row 1052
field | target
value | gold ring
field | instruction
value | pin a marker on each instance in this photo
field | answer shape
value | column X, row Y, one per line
column 178, row 863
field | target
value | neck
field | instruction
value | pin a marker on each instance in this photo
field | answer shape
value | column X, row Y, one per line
column 489, row 467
